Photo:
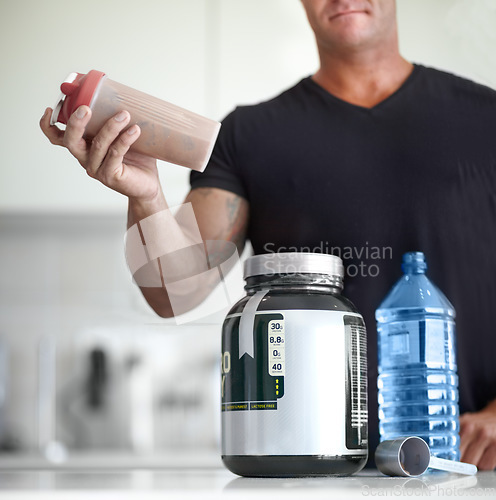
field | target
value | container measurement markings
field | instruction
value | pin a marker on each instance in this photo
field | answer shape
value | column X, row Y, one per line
column 276, row 346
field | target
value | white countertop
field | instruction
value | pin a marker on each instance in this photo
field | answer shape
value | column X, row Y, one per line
column 201, row 475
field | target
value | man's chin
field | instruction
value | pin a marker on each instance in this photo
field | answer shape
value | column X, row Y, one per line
column 350, row 30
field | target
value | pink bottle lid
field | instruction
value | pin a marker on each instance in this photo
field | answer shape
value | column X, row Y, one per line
column 77, row 89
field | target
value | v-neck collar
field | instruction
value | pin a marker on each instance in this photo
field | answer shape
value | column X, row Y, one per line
column 409, row 80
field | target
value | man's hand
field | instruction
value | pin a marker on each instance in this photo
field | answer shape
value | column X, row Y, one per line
column 478, row 437
column 107, row 157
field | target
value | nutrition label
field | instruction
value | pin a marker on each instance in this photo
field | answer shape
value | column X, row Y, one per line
column 276, row 348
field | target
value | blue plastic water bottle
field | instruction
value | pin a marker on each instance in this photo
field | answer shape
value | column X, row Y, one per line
column 418, row 384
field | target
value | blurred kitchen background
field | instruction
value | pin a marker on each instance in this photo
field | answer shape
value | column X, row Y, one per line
column 84, row 363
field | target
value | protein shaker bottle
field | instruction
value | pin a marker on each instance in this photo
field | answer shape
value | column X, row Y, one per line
column 168, row 132
column 294, row 371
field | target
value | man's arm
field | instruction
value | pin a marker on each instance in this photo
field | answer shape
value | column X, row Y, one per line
column 221, row 218
column 179, row 249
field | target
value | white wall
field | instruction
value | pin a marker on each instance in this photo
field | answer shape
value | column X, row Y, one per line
column 206, row 55
column 455, row 35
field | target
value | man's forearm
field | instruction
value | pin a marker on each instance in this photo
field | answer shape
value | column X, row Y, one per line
column 168, row 257
column 141, row 209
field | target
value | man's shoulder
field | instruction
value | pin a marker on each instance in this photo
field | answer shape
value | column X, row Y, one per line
column 455, row 85
column 286, row 100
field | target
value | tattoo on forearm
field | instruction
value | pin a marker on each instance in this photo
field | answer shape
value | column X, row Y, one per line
column 236, row 230
column 232, row 206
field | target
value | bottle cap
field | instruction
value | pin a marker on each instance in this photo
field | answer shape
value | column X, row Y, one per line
column 294, row 263
column 414, row 261
column 77, row 89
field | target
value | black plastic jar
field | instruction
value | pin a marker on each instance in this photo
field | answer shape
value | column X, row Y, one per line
column 294, row 371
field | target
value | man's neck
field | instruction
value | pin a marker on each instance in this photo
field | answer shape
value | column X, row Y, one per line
column 362, row 79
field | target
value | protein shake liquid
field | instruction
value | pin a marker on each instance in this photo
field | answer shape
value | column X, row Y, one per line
column 168, row 132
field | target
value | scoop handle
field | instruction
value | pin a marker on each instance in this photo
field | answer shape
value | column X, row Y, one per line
column 452, row 466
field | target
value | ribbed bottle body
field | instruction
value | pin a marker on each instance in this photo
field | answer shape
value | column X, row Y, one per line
column 418, row 383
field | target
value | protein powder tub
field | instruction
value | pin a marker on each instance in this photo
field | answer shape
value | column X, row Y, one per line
column 294, row 371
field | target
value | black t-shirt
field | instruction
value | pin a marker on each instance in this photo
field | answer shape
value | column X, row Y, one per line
column 417, row 172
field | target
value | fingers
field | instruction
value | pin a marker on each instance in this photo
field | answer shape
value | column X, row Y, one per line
column 103, row 157
column 475, row 448
column 108, row 144
column 54, row 134
column 478, row 440
column 488, row 460
column 112, row 168
column 73, row 136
